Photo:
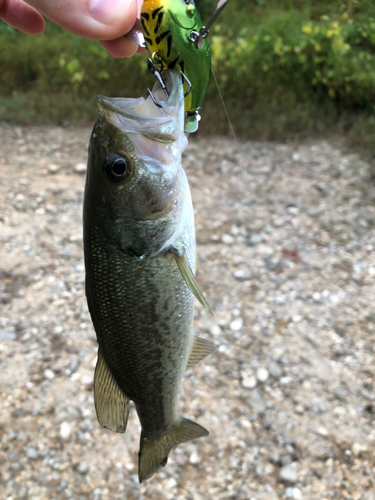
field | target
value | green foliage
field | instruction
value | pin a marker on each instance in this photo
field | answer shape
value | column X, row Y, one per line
column 285, row 68
column 333, row 56
column 57, row 75
column 297, row 73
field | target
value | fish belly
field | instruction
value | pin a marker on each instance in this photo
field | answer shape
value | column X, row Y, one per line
column 143, row 314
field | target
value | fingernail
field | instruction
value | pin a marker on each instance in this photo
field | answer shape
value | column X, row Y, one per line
column 109, row 11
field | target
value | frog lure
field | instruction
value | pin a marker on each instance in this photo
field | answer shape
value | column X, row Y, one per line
column 175, row 37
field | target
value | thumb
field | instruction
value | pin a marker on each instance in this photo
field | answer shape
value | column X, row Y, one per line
column 98, row 19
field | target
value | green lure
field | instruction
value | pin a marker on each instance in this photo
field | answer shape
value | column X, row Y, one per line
column 167, row 26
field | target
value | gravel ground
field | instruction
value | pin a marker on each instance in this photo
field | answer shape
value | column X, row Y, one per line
column 286, row 259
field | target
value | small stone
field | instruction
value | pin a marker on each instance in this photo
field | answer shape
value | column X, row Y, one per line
column 285, row 380
column 74, row 238
column 322, row 431
column 86, row 379
column 297, row 494
column 172, row 483
column 223, row 348
column 80, row 168
column 289, row 449
column 227, row 239
column 83, row 468
column 194, row 458
column 215, row 330
column 340, row 393
column 236, row 324
column 293, row 210
column 22, row 492
column 262, row 374
column 339, row 410
column 369, row 495
column 249, row 382
column 65, row 430
column 235, row 230
column 357, row 449
column 288, row 475
column 275, row 458
column 297, row 318
column 73, row 365
column 275, row 369
column 7, row 335
column 289, row 439
column 53, row 169
column 255, row 239
column 246, row 424
column 239, row 274
column 31, row 453
column 197, row 496
column 49, row 374
column 299, row 409
column 66, row 414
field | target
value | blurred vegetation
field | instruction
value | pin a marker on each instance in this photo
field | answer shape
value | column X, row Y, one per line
column 286, row 69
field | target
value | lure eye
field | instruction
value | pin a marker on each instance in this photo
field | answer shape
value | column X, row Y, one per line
column 117, row 167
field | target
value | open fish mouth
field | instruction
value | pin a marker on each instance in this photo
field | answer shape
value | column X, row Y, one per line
column 164, row 124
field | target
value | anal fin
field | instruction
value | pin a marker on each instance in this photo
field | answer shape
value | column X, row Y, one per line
column 199, row 350
column 111, row 403
column 189, row 278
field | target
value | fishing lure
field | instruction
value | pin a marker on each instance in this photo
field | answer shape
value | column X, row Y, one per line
column 166, row 26
column 176, row 39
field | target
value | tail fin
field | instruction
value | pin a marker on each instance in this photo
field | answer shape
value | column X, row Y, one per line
column 153, row 454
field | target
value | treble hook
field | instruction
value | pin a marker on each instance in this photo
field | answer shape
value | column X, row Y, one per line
column 157, row 75
column 184, row 77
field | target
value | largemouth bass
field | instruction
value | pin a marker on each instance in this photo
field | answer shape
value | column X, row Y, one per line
column 139, row 244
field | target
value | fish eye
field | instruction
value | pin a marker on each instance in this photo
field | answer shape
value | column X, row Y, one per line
column 117, row 167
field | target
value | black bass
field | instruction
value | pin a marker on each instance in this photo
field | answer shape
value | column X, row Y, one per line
column 139, row 244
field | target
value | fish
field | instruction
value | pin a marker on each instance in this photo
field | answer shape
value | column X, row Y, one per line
column 140, row 252
column 167, row 26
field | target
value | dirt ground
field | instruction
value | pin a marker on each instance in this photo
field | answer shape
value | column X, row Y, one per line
column 286, row 241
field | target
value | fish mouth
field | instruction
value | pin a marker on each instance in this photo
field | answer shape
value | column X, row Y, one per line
column 142, row 116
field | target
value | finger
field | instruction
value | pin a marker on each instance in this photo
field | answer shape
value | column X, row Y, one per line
column 99, row 19
column 121, row 47
column 21, row 16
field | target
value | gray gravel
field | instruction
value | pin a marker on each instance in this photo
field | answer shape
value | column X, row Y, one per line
column 286, row 242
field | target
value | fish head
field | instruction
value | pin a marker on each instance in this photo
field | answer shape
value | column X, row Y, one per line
column 133, row 184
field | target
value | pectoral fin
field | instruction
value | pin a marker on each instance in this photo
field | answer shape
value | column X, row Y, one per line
column 189, row 278
column 111, row 403
column 200, row 349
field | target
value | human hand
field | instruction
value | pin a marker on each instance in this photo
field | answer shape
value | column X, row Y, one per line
column 103, row 20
